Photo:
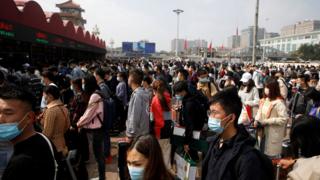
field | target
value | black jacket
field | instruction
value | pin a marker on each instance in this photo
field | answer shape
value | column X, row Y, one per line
column 236, row 160
column 192, row 116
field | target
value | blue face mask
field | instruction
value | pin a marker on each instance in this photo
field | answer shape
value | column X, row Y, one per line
column 204, row 80
column 136, row 173
column 179, row 97
column 9, row 131
column 214, row 125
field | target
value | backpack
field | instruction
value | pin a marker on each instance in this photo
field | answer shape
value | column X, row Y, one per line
column 109, row 111
column 36, row 87
column 202, row 107
column 266, row 163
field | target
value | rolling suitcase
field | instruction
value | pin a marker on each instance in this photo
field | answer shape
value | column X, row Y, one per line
column 122, row 161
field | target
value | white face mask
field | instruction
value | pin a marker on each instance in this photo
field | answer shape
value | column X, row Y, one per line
column 119, row 79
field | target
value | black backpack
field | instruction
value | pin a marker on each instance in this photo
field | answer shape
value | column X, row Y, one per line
column 266, row 163
column 109, row 111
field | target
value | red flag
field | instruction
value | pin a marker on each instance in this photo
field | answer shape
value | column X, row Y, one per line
column 185, row 44
column 222, row 47
column 210, row 47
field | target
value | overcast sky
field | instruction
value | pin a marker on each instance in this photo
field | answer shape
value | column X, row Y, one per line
column 212, row 20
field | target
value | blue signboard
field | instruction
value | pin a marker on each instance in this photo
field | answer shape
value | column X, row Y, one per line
column 138, row 47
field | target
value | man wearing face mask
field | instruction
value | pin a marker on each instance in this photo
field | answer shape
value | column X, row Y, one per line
column 231, row 153
column 33, row 155
column 298, row 103
column 193, row 114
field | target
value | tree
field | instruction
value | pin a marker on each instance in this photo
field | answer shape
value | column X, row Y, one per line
column 308, row 52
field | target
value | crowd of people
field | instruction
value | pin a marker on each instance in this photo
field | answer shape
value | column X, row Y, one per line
column 255, row 119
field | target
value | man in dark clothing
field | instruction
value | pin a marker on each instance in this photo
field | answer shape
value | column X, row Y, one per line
column 299, row 102
column 183, row 76
column 231, row 153
column 104, row 88
column 193, row 114
column 111, row 80
column 33, row 153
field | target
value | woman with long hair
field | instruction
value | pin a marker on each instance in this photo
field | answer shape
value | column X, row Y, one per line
column 272, row 115
column 161, row 118
column 145, row 160
column 249, row 95
column 90, row 121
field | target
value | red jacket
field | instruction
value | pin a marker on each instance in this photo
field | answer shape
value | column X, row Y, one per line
column 157, row 112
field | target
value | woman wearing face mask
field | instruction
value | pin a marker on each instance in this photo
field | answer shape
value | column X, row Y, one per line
column 204, row 85
column 55, row 120
column 161, row 118
column 249, row 95
column 145, row 160
column 272, row 115
column 91, row 124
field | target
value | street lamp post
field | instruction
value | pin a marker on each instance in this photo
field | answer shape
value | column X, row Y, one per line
column 255, row 34
column 178, row 12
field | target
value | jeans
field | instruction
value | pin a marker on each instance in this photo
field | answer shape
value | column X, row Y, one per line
column 96, row 139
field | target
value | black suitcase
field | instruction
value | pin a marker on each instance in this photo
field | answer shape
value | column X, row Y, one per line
column 122, row 161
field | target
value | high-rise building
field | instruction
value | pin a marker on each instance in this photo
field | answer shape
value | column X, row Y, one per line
column 301, row 27
column 234, row 41
column 271, row 35
column 71, row 11
column 192, row 46
column 199, row 43
column 180, row 45
column 293, row 36
column 288, row 30
column 246, row 39
column 307, row 26
column 290, row 43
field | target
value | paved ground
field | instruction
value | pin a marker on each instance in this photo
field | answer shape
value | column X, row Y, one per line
column 111, row 169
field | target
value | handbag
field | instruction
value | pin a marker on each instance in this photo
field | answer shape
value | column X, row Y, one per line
column 186, row 167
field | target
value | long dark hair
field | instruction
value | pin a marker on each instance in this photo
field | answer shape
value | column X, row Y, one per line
column 250, row 85
column 274, row 89
column 159, row 87
column 149, row 147
column 90, row 85
column 305, row 136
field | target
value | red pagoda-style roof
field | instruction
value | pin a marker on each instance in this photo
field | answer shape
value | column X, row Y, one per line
column 33, row 16
column 69, row 4
column 21, row 2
